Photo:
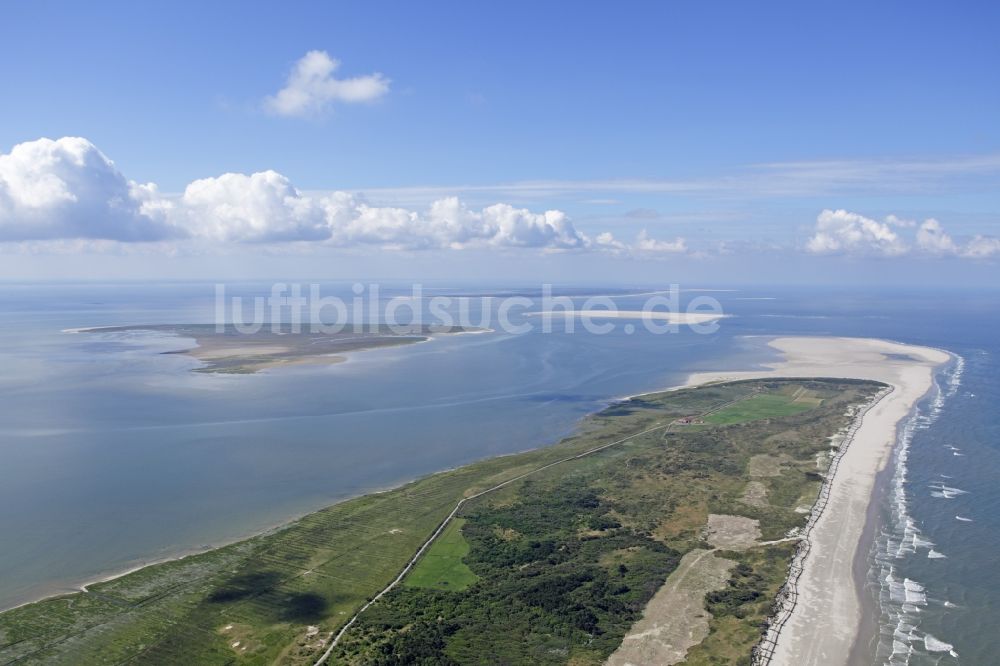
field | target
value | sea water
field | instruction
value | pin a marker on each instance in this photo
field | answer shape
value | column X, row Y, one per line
column 113, row 453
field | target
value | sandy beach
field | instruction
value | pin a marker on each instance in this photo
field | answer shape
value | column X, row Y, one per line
column 680, row 318
column 826, row 620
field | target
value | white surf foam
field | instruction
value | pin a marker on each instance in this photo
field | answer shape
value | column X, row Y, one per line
column 902, row 599
column 942, row 491
column 932, row 644
column 914, row 592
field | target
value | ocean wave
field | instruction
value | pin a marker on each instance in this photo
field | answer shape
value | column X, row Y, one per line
column 954, row 379
column 901, row 599
column 914, row 592
column 932, row 644
column 963, row 519
column 901, row 648
column 942, row 491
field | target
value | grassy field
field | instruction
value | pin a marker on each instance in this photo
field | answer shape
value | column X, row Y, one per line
column 561, row 563
column 762, row 406
column 442, row 566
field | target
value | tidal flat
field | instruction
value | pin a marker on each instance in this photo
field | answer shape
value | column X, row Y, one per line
column 230, row 349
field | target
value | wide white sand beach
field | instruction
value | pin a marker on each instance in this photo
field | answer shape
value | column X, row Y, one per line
column 826, row 620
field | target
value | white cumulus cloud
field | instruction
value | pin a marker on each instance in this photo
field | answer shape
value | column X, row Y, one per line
column 311, row 87
column 69, row 189
column 54, row 191
column 981, row 247
column 643, row 243
column 448, row 223
column 844, row 232
column 355, row 222
column 66, row 194
column 932, row 238
column 260, row 207
column 840, row 231
column 519, row 227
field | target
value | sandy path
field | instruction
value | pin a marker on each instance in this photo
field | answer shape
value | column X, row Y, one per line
column 826, row 620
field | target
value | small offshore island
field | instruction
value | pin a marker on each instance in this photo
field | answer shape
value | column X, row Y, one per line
column 227, row 350
column 661, row 532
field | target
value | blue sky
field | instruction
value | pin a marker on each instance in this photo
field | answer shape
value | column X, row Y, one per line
column 729, row 126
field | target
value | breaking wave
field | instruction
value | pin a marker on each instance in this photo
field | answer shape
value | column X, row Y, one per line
column 901, row 599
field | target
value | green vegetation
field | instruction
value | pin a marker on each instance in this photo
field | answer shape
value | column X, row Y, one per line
column 762, row 406
column 442, row 566
column 548, row 595
column 568, row 558
column 553, row 568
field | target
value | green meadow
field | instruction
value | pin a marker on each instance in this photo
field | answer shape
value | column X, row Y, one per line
column 442, row 567
column 761, row 406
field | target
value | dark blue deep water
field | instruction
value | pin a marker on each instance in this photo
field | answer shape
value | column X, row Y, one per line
column 113, row 454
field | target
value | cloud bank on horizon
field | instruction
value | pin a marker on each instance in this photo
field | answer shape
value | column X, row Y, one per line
column 67, row 189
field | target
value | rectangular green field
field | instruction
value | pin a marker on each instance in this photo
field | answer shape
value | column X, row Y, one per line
column 763, row 406
column 441, row 567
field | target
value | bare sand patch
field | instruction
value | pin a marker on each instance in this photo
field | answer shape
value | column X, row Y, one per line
column 213, row 352
column 755, row 494
column 675, row 619
column 732, row 532
column 764, row 464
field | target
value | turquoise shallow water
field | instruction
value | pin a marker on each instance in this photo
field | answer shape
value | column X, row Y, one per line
column 112, row 454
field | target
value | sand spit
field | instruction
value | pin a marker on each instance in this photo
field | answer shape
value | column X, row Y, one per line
column 683, row 318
